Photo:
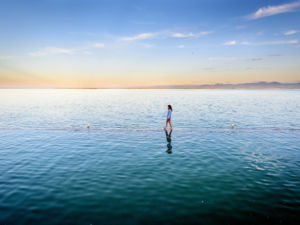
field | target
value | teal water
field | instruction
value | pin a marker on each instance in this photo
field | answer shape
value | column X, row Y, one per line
column 126, row 170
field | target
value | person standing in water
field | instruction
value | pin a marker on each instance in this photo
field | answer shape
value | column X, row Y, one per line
column 170, row 110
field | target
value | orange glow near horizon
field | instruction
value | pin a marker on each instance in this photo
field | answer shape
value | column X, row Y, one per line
column 132, row 80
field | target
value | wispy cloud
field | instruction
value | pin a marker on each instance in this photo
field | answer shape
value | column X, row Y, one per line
column 183, row 35
column 277, row 42
column 245, row 43
column 142, row 36
column 180, row 46
column 203, row 33
column 257, row 59
column 274, row 10
column 274, row 55
column 165, row 34
column 190, row 34
column 66, row 51
column 98, row 45
column 280, row 42
column 2, row 57
column 230, row 42
column 290, row 32
column 52, row 51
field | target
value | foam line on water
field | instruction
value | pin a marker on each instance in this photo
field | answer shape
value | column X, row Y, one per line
column 124, row 129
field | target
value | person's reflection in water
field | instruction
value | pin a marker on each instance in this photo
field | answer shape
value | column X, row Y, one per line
column 169, row 145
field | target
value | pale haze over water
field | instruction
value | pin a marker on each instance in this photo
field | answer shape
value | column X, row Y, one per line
column 60, row 109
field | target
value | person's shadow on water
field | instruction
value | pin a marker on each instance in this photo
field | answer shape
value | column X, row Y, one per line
column 169, row 145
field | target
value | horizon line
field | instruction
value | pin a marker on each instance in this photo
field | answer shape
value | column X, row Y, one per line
column 247, row 85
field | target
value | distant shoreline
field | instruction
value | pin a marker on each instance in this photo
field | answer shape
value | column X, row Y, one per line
column 242, row 86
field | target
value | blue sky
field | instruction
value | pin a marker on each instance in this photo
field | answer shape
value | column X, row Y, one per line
column 88, row 43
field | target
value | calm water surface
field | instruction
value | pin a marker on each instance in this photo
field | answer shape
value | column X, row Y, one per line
column 126, row 170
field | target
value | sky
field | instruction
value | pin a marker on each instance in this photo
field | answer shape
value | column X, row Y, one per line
column 119, row 43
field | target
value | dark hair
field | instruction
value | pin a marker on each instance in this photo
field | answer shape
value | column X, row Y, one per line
column 170, row 107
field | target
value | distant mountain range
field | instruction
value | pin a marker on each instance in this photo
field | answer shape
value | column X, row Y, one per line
column 255, row 85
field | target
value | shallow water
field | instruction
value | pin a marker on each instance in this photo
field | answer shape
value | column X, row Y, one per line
column 124, row 169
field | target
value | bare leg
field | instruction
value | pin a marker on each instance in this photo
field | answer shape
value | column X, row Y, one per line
column 166, row 125
column 170, row 124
